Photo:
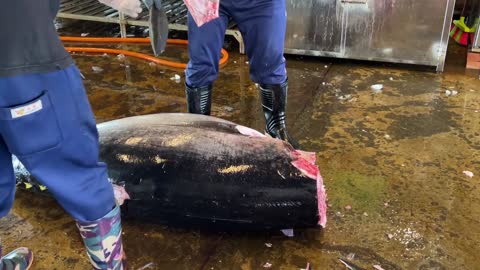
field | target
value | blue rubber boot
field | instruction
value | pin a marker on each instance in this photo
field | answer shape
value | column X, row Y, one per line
column 103, row 240
column 19, row 259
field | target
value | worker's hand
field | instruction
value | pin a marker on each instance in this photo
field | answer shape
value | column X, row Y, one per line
column 130, row 7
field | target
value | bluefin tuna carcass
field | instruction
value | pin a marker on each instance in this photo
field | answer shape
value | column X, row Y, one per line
column 200, row 170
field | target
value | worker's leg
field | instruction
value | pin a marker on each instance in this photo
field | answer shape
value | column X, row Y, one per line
column 20, row 258
column 47, row 122
column 7, row 179
column 204, row 47
column 263, row 26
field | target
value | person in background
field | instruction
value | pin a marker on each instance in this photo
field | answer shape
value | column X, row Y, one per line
column 47, row 122
column 263, row 25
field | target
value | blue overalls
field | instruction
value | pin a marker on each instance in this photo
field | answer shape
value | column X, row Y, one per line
column 262, row 24
column 46, row 121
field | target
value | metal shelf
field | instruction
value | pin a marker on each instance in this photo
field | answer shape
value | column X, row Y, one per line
column 92, row 10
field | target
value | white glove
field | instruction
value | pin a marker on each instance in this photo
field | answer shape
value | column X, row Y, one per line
column 130, row 7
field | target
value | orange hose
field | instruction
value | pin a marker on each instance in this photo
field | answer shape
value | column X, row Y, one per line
column 143, row 56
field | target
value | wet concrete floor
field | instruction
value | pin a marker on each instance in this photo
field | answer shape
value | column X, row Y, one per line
column 392, row 162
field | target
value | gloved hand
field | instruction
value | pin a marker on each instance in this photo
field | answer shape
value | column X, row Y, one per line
column 130, row 7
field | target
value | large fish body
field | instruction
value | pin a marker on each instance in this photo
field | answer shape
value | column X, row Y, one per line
column 204, row 171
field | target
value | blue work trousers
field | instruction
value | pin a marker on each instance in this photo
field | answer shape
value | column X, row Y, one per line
column 47, row 122
column 262, row 24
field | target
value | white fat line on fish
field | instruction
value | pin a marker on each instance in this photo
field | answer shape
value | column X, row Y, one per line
column 179, row 140
column 134, row 159
column 133, row 140
column 159, row 160
column 128, row 158
column 279, row 204
column 235, row 169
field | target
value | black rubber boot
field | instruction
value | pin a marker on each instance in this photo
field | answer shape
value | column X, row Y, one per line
column 199, row 100
column 274, row 102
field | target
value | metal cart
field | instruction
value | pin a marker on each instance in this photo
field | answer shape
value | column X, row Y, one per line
column 92, row 10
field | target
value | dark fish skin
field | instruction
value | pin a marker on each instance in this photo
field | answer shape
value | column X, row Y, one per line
column 202, row 171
